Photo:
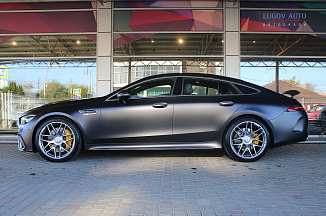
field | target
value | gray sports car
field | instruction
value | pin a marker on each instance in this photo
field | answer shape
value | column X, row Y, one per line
column 170, row 111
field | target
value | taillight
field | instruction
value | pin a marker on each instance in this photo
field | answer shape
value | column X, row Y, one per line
column 295, row 108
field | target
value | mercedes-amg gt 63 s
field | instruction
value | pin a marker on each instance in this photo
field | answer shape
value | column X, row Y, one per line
column 170, row 111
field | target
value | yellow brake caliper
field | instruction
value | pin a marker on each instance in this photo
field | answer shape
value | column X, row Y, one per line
column 68, row 137
column 256, row 142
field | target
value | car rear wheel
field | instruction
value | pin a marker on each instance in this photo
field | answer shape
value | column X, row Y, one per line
column 246, row 140
column 58, row 140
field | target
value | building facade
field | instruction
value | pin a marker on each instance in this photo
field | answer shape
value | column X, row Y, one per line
column 55, row 50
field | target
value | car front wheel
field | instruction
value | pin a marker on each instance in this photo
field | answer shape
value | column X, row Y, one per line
column 58, row 140
column 246, row 140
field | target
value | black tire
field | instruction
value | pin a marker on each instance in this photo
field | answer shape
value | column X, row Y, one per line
column 246, row 140
column 58, row 140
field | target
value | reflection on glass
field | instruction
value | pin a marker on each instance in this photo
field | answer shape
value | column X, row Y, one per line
column 48, row 46
column 48, row 22
column 168, row 4
column 130, row 70
column 306, row 77
column 27, row 84
column 168, row 44
column 283, row 44
column 168, row 20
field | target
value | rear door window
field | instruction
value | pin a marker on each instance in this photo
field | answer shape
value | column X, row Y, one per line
column 202, row 86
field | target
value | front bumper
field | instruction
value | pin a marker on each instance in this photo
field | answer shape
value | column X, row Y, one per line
column 25, row 138
column 21, row 144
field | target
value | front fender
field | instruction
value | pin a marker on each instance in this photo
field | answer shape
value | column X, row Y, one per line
column 51, row 115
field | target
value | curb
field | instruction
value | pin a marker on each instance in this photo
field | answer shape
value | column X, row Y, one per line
column 8, row 139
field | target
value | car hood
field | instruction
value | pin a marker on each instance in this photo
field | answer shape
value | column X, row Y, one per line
column 58, row 104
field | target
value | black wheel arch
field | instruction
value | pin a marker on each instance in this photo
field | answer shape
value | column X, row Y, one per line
column 55, row 115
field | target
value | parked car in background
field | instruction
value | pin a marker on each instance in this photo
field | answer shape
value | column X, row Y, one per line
column 321, row 119
column 168, row 111
column 314, row 112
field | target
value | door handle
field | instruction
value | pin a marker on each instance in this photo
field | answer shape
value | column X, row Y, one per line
column 160, row 105
column 226, row 103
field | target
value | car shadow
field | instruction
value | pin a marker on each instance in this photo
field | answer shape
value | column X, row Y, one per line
column 119, row 154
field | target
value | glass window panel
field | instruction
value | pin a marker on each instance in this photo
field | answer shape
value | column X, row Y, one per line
column 139, row 74
column 305, row 75
column 283, row 21
column 168, row 4
column 227, row 88
column 178, row 65
column 282, row 4
column 158, row 87
column 246, row 89
column 196, row 86
column 124, row 78
column 168, row 44
column 48, row 46
column 33, row 82
column 48, row 22
column 283, row 45
column 49, row 5
column 168, row 20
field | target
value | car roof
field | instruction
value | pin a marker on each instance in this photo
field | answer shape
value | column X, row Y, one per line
column 213, row 76
column 201, row 75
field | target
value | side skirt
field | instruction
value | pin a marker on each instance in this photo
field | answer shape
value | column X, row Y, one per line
column 159, row 146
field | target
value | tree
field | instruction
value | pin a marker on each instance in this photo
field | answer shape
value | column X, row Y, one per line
column 14, row 88
column 293, row 81
column 28, row 87
column 55, row 91
column 307, row 85
column 310, row 86
column 83, row 88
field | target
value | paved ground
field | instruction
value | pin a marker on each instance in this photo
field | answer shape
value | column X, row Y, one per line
column 287, row 181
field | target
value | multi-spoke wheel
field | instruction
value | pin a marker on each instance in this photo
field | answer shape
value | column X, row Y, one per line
column 58, row 140
column 247, row 139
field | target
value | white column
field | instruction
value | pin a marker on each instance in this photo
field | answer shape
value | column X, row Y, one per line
column 104, row 55
column 232, row 39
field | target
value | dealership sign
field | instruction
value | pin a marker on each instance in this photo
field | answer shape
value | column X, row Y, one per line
column 77, row 93
column 284, row 15
column 283, row 21
column 4, row 72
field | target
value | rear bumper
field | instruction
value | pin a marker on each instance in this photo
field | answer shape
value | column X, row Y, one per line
column 303, row 137
column 290, row 127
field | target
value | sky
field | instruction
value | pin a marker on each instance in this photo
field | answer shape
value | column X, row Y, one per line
column 262, row 76
column 258, row 75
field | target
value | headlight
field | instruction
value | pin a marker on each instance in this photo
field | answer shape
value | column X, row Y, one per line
column 25, row 119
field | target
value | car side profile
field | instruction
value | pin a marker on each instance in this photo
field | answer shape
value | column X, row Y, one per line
column 169, row 111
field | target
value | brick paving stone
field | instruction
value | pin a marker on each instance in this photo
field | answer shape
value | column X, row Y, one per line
column 289, row 180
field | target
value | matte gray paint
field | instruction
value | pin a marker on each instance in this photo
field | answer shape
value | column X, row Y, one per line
column 184, row 122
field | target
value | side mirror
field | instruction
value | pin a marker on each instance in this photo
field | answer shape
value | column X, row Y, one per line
column 122, row 97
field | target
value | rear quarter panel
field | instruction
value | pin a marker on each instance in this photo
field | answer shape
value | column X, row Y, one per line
column 271, row 108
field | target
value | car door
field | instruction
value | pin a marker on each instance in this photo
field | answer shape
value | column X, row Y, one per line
column 144, row 117
column 203, row 107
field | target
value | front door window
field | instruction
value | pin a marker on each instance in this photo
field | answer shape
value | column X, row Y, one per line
column 153, row 88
